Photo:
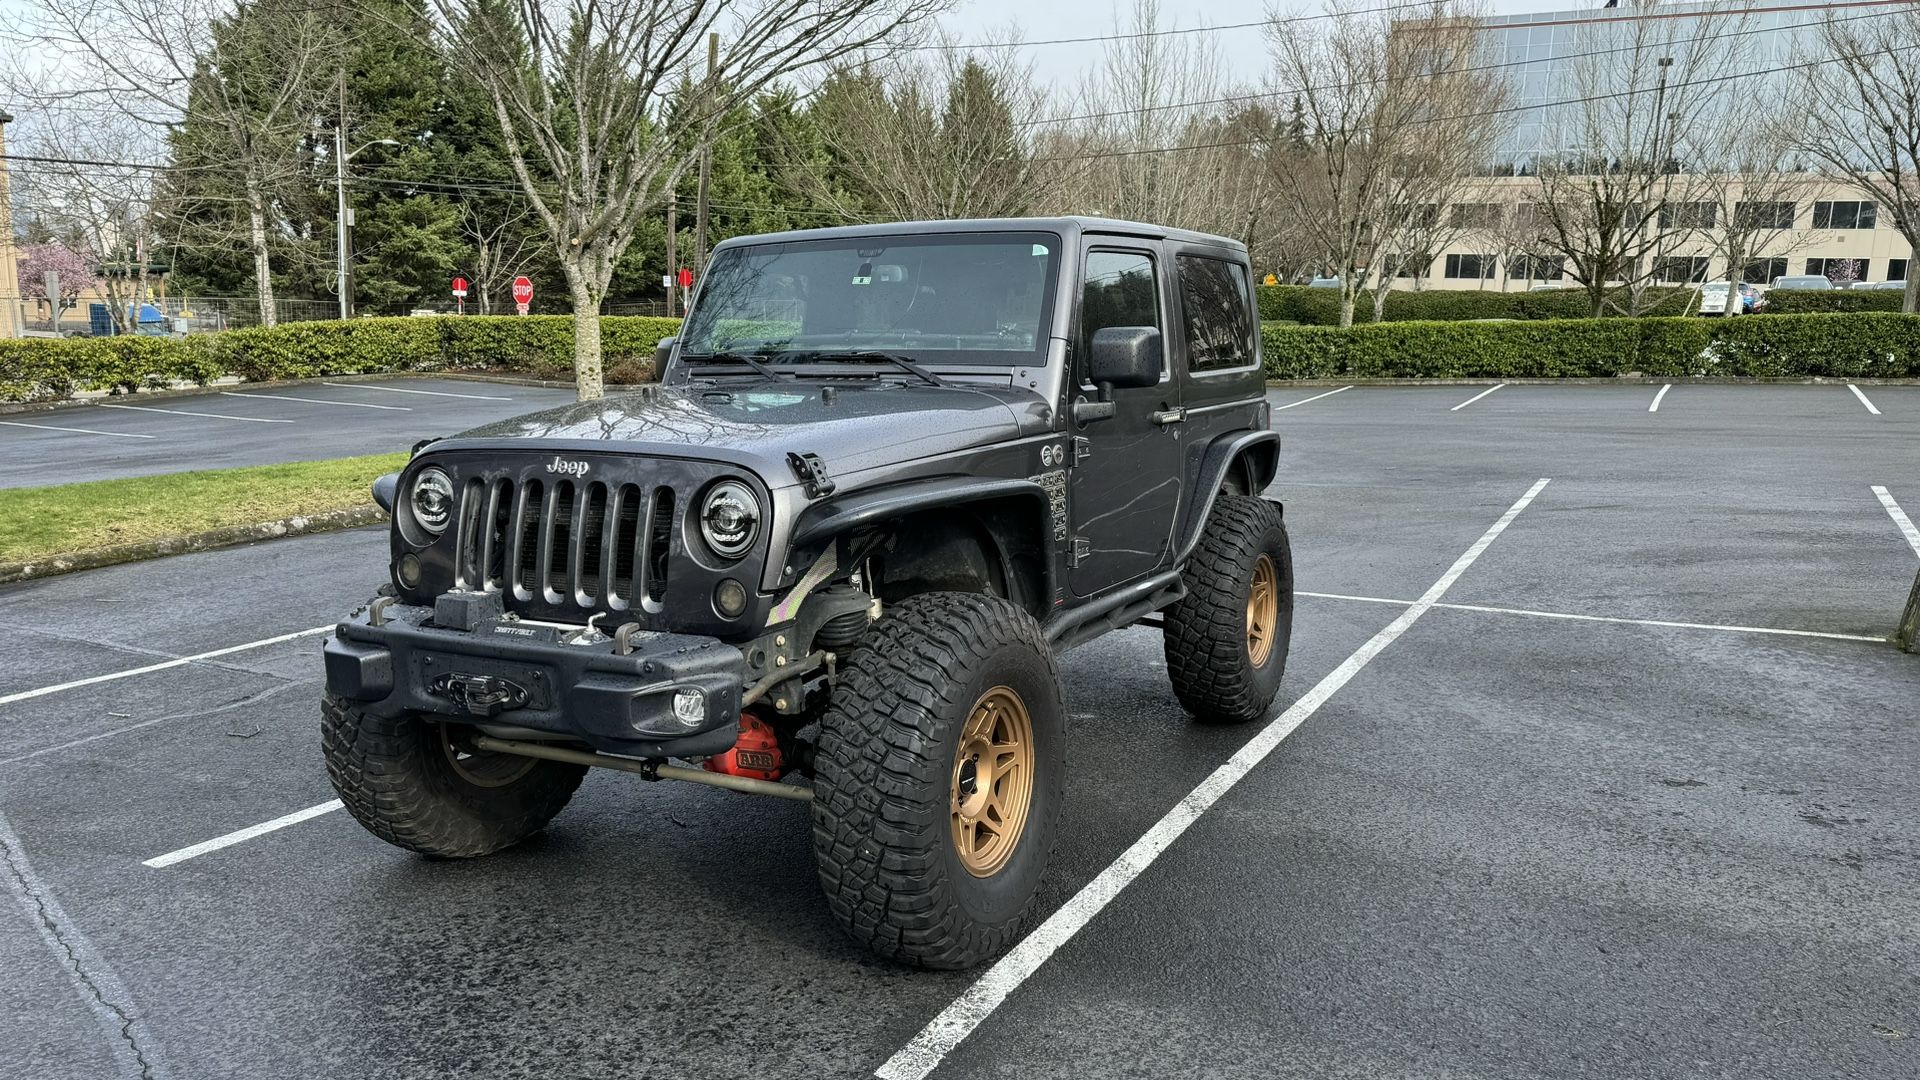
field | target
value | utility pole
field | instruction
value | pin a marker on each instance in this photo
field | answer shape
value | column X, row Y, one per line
column 706, row 162
column 673, row 260
column 343, row 271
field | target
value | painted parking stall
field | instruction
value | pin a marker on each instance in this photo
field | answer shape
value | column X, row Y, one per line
column 1596, row 740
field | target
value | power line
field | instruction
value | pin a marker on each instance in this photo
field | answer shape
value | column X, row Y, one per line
column 1136, row 35
column 1350, row 84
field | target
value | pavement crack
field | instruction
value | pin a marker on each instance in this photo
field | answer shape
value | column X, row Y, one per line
column 240, row 703
column 71, row 639
column 107, row 997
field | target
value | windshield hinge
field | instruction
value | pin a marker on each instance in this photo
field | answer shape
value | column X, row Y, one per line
column 812, row 474
column 1080, row 550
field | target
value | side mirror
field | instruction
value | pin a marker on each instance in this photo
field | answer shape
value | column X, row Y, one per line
column 661, row 354
column 1124, row 357
column 384, row 490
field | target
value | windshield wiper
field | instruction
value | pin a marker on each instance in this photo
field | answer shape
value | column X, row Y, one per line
column 764, row 369
column 895, row 359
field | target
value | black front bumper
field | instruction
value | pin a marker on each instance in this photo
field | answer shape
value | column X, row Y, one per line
column 509, row 674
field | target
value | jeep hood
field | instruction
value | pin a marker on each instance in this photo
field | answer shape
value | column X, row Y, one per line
column 851, row 425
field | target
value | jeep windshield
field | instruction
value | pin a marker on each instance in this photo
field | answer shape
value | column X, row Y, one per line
column 952, row 300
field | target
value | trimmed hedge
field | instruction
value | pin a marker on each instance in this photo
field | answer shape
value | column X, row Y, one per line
column 1321, row 307
column 1808, row 301
column 1863, row 345
column 49, row 369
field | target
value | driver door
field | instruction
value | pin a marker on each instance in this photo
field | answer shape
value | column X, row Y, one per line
column 1125, row 478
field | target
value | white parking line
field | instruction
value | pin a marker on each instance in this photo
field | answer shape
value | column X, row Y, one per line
column 925, row 1052
column 1532, row 613
column 1863, row 399
column 160, row 862
column 429, row 393
column 1655, row 407
column 1475, row 398
column 1315, row 397
column 208, row 415
column 23, row 695
column 1899, row 517
column 317, row 401
column 77, row 430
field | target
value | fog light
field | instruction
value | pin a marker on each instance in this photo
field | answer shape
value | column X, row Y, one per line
column 690, row 707
column 730, row 598
column 410, row 570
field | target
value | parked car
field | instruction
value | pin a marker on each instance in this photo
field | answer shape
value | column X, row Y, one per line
column 1324, row 283
column 1878, row 285
column 848, row 548
column 1802, row 281
column 1713, row 298
column 1547, row 288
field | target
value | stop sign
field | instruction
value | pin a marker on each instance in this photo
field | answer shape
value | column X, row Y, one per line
column 522, row 290
column 459, row 286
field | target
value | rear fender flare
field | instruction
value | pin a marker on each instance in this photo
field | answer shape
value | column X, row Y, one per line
column 1250, row 458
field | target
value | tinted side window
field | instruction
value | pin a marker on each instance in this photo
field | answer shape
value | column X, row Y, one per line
column 1214, row 295
column 1119, row 291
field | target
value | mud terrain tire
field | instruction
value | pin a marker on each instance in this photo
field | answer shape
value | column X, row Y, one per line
column 1221, row 672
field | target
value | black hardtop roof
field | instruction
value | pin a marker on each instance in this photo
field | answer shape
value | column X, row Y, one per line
column 1068, row 226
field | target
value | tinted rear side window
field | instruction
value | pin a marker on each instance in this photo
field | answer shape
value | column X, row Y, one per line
column 1215, row 298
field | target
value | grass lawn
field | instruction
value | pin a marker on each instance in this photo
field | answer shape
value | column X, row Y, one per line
column 36, row 523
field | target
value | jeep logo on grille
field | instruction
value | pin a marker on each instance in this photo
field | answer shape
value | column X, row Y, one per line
column 570, row 468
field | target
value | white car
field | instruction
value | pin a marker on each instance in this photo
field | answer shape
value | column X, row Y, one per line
column 1714, row 298
column 1878, row 285
column 1802, row 281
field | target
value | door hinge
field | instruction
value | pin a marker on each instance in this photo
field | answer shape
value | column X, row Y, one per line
column 1079, row 550
column 1082, row 448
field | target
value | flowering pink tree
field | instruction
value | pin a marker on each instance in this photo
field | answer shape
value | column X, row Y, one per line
column 75, row 268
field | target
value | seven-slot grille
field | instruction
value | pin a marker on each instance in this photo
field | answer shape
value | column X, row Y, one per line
column 571, row 542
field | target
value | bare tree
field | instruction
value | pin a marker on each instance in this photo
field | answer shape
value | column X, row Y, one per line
column 1749, row 184
column 1395, row 116
column 1612, row 193
column 1862, row 95
column 233, row 84
column 504, row 247
column 583, row 91
column 923, row 138
column 108, row 208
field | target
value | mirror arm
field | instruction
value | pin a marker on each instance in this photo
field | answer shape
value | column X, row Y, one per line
column 1086, row 412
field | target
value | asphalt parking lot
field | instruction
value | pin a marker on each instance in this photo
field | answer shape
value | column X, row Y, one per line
column 248, row 425
column 1615, row 780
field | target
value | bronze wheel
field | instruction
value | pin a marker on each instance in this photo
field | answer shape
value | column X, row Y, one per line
column 992, row 782
column 1263, row 611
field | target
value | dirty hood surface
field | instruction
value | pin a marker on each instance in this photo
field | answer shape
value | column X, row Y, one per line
column 859, row 425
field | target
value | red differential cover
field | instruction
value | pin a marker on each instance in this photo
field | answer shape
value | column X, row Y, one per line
column 755, row 754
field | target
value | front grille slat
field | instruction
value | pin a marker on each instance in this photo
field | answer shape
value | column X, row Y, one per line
column 562, row 547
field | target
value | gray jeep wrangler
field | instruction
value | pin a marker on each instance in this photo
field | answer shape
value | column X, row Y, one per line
column 889, row 473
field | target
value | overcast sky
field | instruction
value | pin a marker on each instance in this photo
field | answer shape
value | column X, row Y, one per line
column 1245, row 50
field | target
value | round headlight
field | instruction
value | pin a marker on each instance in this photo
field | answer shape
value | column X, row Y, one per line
column 730, row 519
column 431, row 498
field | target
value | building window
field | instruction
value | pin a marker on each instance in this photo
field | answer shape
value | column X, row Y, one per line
column 1681, row 268
column 1536, row 267
column 1476, row 215
column 1689, row 215
column 1764, row 215
column 1845, row 215
column 1840, row 271
column 1763, row 271
column 1896, row 269
column 1471, row 266
column 1215, row 299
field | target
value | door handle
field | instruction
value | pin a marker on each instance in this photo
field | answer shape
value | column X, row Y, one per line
column 1169, row 416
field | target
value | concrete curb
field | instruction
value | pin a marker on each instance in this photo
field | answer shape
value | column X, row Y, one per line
column 229, row 536
column 8, row 408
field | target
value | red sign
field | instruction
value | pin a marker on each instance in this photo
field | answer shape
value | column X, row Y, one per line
column 522, row 291
column 686, row 278
column 460, row 286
